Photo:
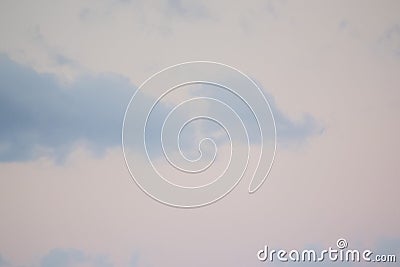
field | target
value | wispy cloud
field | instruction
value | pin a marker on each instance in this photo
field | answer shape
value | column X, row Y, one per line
column 390, row 41
column 63, row 257
column 192, row 9
column 3, row 262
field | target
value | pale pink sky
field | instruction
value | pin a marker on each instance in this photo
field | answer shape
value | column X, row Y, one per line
column 337, row 61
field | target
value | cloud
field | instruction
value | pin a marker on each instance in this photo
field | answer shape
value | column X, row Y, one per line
column 3, row 262
column 134, row 260
column 40, row 116
column 390, row 41
column 389, row 246
column 102, row 261
column 187, row 9
column 38, row 113
column 288, row 131
column 63, row 258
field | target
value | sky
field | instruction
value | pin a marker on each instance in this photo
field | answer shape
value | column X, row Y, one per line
column 68, row 69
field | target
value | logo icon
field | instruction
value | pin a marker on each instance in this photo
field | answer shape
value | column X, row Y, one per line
column 196, row 122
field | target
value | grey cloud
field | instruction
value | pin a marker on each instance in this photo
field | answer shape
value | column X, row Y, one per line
column 288, row 131
column 192, row 9
column 3, row 262
column 343, row 24
column 102, row 261
column 38, row 115
column 37, row 111
column 390, row 41
column 134, row 260
column 389, row 247
column 63, row 258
